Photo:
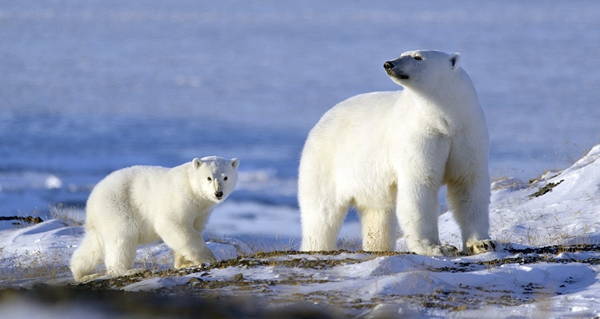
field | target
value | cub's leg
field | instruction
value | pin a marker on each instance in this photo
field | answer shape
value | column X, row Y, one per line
column 116, row 234
column 119, row 252
column 87, row 256
column 185, row 241
column 179, row 260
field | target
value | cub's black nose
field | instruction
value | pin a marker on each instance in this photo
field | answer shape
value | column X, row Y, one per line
column 388, row 65
column 219, row 194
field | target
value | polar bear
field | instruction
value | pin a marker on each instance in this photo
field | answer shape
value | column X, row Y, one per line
column 388, row 153
column 142, row 204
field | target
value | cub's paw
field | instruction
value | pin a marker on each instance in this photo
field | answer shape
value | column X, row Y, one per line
column 91, row 277
column 480, row 246
column 134, row 271
column 118, row 272
column 181, row 262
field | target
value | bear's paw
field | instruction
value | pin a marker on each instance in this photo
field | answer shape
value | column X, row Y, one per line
column 480, row 246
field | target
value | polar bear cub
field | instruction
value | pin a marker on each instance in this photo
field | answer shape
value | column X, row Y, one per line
column 142, row 204
column 388, row 153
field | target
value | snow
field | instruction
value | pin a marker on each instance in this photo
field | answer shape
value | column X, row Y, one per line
column 567, row 214
column 514, row 280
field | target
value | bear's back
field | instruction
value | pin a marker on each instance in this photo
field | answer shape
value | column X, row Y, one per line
column 118, row 184
column 364, row 110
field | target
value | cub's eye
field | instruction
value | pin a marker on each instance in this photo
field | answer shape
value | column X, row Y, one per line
column 225, row 178
column 209, row 178
column 418, row 58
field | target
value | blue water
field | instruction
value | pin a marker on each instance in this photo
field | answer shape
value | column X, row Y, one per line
column 87, row 87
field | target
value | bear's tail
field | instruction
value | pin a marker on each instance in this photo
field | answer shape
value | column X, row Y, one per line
column 87, row 256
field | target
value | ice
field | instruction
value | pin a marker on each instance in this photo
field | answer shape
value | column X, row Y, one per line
column 24, row 181
column 92, row 87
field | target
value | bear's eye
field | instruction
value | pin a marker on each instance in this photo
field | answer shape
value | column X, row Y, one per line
column 209, row 178
column 225, row 178
column 418, row 58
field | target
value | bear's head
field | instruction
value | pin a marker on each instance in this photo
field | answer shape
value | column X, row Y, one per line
column 213, row 177
column 423, row 70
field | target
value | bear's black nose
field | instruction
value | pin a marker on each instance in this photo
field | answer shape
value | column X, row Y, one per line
column 219, row 194
column 388, row 65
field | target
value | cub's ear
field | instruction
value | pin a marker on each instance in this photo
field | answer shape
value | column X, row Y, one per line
column 235, row 162
column 196, row 162
column 454, row 60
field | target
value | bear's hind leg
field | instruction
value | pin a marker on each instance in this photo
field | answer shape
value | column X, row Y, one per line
column 321, row 226
column 119, row 254
column 377, row 230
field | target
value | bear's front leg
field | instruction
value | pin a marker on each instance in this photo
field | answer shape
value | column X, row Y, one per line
column 187, row 243
column 417, row 211
column 420, row 174
column 469, row 200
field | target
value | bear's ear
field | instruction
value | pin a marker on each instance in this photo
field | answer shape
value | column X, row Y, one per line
column 196, row 162
column 454, row 60
column 235, row 162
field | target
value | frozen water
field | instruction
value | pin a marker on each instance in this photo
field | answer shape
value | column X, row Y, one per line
column 91, row 86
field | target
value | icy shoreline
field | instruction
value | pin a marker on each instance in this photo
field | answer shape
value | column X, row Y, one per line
column 559, row 208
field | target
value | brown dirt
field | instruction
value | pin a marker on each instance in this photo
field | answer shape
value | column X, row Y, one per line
column 24, row 219
column 531, row 255
column 461, row 298
column 546, row 189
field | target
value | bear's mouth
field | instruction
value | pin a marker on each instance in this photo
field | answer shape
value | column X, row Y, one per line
column 398, row 75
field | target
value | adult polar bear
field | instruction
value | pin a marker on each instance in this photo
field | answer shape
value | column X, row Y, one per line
column 391, row 151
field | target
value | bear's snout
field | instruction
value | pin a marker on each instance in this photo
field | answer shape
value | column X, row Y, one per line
column 219, row 194
column 398, row 74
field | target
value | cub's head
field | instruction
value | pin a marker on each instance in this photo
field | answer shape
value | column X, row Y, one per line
column 213, row 177
column 423, row 69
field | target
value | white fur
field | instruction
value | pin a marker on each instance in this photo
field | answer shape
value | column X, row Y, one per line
column 142, row 204
column 390, row 152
